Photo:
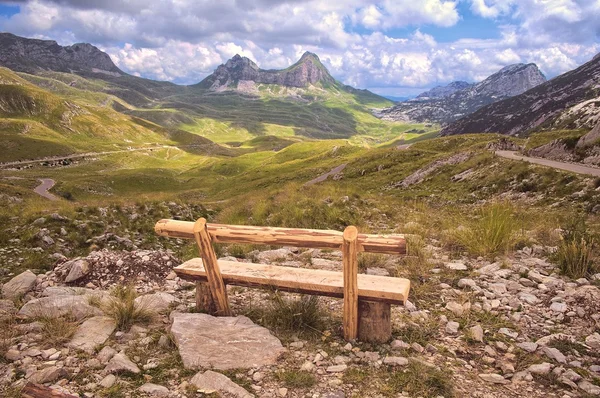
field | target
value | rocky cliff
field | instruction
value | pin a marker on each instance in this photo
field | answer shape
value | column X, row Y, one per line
column 307, row 71
column 447, row 105
column 571, row 100
column 443, row 91
column 32, row 55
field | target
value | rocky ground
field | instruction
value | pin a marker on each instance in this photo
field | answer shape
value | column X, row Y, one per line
column 472, row 328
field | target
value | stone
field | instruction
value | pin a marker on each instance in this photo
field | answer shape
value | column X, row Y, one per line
column 497, row 288
column 78, row 269
column 456, row 308
column 477, row 333
column 589, row 388
column 465, row 282
column 528, row 346
column 19, row 285
column 154, row 390
column 509, row 333
column 554, row 353
column 209, row 382
column 528, row 298
column 395, row 361
column 593, row 340
column 106, row 354
column 399, row 345
column 282, row 392
column 558, row 307
column 108, row 381
column 308, row 366
column 223, row 342
column 540, row 368
column 337, row 368
column 493, row 378
column 57, row 306
column 452, row 327
column 7, row 307
column 156, row 302
column 91, row 333
column 12, row 355
column 48, row 375
column 456, row 266
column 120, row 363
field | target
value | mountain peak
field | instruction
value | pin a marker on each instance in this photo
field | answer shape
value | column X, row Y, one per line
column 307, row 71
column 32, row 55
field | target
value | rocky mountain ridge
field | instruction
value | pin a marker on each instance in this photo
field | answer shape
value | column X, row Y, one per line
column 307, row 71
column 443, row 91
column 32, row 55
column 571, row 100
column 443, row 108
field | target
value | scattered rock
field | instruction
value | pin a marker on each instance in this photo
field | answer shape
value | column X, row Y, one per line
column 593, row 340
column 19, row 285
column 456, row 266
column 540, row 368
column 78, row 269
column 209, row 382
column 224, row 342
column 156, row 302
column 48, row 375
column 528, row 346
column 493, row 378
column 91, row 333
column 452, row 327
column 120, row 363
column 477, row 333
column 57, row 306
column 154, row 390
column 108, row 381
column 395, row 361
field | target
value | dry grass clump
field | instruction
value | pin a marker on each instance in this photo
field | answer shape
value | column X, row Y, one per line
column 421, row 380
column 493, row 231
column 371, row 260
column 57, row 330
column 296, row 378
column 576, row 251
column 8, row 332
column 123, row 309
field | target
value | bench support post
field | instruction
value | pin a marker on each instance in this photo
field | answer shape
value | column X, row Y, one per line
column 374, row 322
column 213, row 273
column 350, row 263
column 204, row 300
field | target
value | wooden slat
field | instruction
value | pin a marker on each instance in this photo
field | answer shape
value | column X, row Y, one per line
column 211, row 265
column 32, row 390
column 312, row 238
column 350, row 272
column 300, row 280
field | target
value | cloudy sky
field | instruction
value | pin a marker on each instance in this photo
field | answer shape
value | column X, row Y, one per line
column 392, row 47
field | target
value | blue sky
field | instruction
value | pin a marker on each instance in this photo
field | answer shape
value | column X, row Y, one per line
column 392, row 47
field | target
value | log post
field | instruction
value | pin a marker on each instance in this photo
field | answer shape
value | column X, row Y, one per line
column 374, row 321
column 204, row 300
column 350, row 263
column 211, row 266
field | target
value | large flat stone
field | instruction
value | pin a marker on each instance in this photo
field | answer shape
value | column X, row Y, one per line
column 56, row 306
column 91, row 333
column 222, row 343
column 19, row 285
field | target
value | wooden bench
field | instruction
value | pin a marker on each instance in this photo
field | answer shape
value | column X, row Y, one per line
column 367, row 298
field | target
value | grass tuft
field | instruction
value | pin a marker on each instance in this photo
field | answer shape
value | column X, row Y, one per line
column 123, row 309
column 576, row 251
column 420, row 380
column 296, row 378
column 57, row 330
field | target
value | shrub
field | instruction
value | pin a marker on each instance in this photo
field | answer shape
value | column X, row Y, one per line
column 492, row 232
column 123, row 309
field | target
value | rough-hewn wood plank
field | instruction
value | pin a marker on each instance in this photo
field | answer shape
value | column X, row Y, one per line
column 313, row 238
column 39, row 391
column 300, row 280
column 374, row 322
column 350, row 271
column 211, row 266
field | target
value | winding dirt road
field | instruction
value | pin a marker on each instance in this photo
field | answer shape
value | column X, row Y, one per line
column 575, row 168
column 43, row 188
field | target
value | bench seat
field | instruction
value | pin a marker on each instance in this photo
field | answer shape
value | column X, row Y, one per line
column 299, row 280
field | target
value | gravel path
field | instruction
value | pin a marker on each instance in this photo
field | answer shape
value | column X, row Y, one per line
column 43, row 188
column 575, row 168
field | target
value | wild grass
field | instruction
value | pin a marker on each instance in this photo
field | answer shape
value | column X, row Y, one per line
column 422, row 333
column 57, row 330
column 492, row 232
column 123, row 309
column 8, row 332
column 296, row 378
column 576, row 254
column 371, row 260
column 302, row 316
column 421, row 380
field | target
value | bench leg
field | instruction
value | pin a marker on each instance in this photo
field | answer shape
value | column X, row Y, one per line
column 204, row 300
column 374, row 322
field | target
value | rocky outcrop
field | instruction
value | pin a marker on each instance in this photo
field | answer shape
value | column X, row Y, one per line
column 32, row 55
column 446, row 105
column 239, row 70
column 540, row 107
column 591, row 138
column 443, row 91
column 19, row 285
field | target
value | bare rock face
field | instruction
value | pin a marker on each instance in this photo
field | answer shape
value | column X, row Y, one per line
column 591, row 138
column 308, row 70
column 452, row 103
column 32, row 55
column 543, row 106
column 223, row 343
column 56, row 306
column 91, row 333
column 19, row 285
column 555, row 150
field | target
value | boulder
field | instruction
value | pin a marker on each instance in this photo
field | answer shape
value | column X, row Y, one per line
column 154, row 389
column 56, row 306
column 593, row 340
column 78, row 269
column 223, row 343
column 210, row 382
column 91, row 333
column 157, row 302
column 493, row 378
column 48, row 375
column 19, row 285
column 120, row 363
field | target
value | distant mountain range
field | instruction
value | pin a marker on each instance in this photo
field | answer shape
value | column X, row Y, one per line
column 448, row 103
column 569, row 101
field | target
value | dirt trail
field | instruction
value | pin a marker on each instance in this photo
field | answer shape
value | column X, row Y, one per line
column 575, row 168
column 43, row 188
column 323, row 177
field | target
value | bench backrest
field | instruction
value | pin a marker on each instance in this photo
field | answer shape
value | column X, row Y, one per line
column 310, row 238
